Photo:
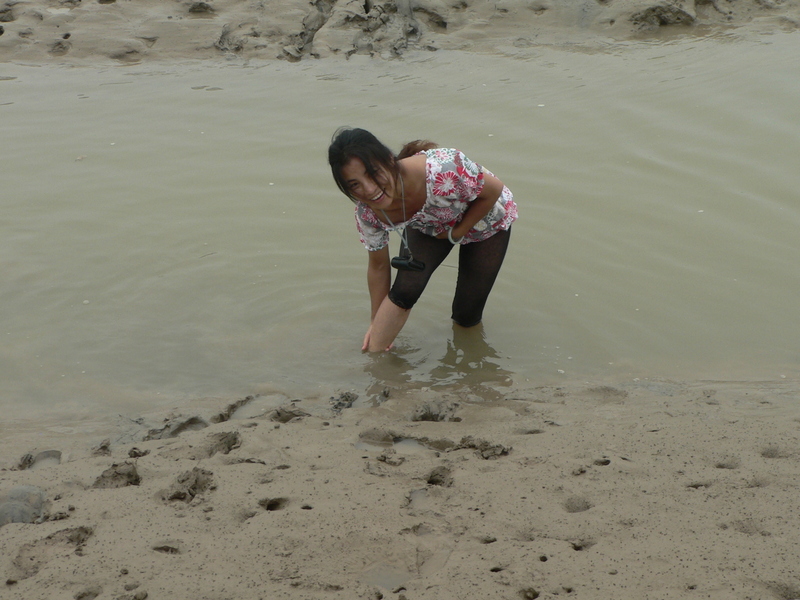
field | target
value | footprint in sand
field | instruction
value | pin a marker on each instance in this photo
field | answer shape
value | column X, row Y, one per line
column 169, row 547
column 773, row 452
column 273, row 504
column 90, row 593
column 441, row 476
column 728, row 462
column 581, row 545
column 607, row 394
column 749, row 527
column 576, row 504
column 33, row 556
column 784, row 590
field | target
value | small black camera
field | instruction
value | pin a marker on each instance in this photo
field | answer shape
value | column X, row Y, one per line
column 407, row 263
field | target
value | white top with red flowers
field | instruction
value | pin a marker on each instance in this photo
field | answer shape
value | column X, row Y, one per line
column 453, row 182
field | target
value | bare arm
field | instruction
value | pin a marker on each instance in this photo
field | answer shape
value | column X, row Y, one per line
column 387, row 319
column 388, row 322
column 379, row 278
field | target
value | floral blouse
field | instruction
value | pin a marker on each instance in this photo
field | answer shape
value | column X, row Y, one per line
column 453, row 182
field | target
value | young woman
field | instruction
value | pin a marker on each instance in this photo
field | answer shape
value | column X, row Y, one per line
column 436, row 198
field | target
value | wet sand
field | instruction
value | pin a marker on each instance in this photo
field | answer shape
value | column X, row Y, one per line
column 75, row 32
column 644, row 489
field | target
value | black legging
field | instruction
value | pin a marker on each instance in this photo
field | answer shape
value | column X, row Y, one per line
column 478, row 266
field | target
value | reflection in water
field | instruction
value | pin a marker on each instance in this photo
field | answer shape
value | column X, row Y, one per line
column 470, row 366
column 470, row 361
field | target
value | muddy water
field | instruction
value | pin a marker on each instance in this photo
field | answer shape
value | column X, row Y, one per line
column 171, row 231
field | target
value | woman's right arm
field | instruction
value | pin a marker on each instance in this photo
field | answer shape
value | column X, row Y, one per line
column 379, row 278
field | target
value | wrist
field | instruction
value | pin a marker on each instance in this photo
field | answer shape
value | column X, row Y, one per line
column 450, row 237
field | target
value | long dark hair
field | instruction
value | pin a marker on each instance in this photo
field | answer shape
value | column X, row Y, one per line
column 349, row 143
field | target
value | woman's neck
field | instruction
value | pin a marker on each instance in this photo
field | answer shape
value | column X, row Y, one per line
column 410, row 191
column 412, row 171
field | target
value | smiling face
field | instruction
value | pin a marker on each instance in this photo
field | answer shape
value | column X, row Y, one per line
column 364, row 169
column 377, row 192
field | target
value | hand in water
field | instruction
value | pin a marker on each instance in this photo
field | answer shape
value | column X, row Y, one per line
column 365, row 345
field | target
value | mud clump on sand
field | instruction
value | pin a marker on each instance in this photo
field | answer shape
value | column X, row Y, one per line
column 188, row 485
column 295, row 30
column 117, row 476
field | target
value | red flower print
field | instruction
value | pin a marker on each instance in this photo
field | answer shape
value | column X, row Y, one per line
column 445, row 184
column 470, row 178
column 443, row 154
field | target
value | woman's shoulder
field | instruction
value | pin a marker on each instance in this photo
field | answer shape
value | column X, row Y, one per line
column 442, row 154
column 440, row 160
column 451, row 158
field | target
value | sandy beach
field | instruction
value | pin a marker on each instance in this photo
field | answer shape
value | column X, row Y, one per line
column 646, row 489
column 627, row 489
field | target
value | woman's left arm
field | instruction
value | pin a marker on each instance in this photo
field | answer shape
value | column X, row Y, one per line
column 478, row 208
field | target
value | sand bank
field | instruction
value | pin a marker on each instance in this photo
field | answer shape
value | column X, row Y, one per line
column 75, row 31
column 644, row 489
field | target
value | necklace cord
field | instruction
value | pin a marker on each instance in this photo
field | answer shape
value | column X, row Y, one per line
column 403, row 235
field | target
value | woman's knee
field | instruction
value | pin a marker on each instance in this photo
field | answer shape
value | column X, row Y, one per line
column 403, row 299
